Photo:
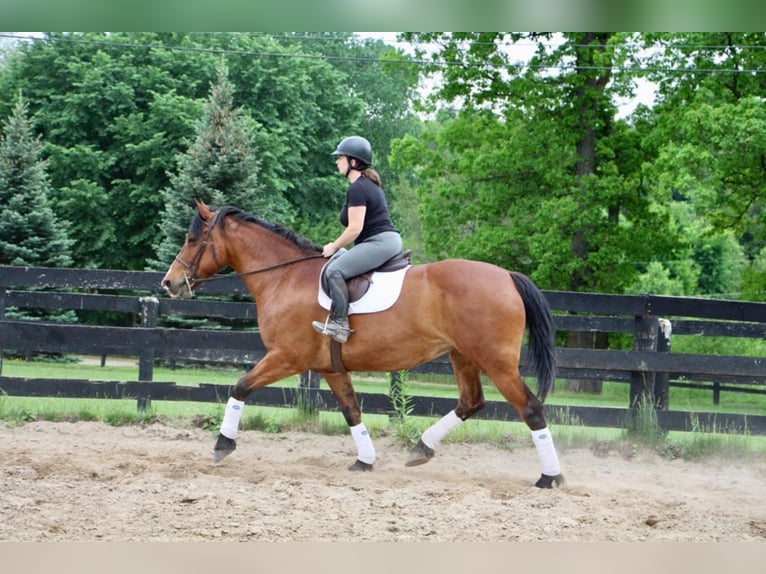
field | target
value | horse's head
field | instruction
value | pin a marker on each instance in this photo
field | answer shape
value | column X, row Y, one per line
column 197, row 259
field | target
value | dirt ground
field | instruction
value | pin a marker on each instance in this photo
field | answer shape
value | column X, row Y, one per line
column 87, row 481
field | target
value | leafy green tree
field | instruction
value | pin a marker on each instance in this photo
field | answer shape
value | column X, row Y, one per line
column 535, row 172
column 754, row 278
column 219, row 168
column 83, row 204
column 325, row 86
column 116, row 109
column 30, row 233
column 708, row 142
column 113, row 118
column 657, row 280
column 381, row 77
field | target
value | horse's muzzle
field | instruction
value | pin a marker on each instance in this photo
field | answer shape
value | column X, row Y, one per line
column 179, row 289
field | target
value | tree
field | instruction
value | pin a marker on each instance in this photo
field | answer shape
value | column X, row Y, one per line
column 754, row 278
column 112, row 118
column 219, row 168
column 535, row 173
column 381, row 77
column 30, row 233
column 708, row 145
column 116, row 109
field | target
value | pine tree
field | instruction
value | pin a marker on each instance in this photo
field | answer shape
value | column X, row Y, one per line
column 219, row 168
column 29, row 232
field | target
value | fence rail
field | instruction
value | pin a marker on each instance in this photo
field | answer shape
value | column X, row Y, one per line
column 647, row 367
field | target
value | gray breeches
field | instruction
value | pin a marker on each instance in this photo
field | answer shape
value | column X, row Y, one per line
column 367, row 255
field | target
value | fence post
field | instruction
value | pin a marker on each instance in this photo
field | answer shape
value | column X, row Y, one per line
column 2, row 316
column 662, row 380
column 150, row 309
column 308, row 398
column 642, row 382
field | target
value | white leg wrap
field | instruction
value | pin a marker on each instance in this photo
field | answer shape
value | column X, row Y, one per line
column 364, row 446
column 546, row 451
column 433, row 435
column 230, row 424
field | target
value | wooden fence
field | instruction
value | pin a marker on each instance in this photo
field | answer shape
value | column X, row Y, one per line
column 649, row 367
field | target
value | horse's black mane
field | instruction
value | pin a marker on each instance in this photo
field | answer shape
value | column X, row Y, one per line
column 197, row 223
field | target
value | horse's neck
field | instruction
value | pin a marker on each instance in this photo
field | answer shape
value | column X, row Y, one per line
column 265, row 265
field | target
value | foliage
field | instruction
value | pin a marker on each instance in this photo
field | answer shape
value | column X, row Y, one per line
column 601, row 193
column 708, row 135
column 534, row 173
column 524, row 162
column 404, row 428
column 29, row 232
column 754, row 278
column 219, row 168
column 121, row 107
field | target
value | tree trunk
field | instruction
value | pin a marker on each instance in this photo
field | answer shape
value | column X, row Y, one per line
column 582, row 340
column 589, row 111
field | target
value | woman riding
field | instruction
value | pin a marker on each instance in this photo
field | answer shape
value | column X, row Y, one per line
column 367, row 223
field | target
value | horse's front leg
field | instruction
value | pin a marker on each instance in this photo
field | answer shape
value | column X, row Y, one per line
column 340, row 384
column 270, row 369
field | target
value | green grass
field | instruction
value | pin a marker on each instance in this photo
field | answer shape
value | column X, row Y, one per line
column 76, row 370
column 612, row 395
column 405, row 429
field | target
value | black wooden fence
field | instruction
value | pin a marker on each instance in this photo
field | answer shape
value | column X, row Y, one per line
column 649, row 367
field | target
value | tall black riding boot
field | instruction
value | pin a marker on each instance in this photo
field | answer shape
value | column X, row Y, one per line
column 336, row 325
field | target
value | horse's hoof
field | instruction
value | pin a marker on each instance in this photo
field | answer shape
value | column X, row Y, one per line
column 361, row 466
column 420, row 454
column 547, row 481
column 224, row 446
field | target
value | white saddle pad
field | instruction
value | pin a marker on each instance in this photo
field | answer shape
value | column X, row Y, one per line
column 383, row 292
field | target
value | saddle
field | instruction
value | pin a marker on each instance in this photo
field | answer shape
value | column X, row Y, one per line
column 359, row 285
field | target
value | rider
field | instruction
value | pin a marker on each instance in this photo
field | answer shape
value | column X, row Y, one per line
column 367, row 223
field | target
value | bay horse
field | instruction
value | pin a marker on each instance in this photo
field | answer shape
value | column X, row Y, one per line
column 475, row 311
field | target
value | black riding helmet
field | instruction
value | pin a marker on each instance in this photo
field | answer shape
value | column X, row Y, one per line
column 358, row 148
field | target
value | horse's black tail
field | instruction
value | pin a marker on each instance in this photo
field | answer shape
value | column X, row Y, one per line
column 542, row 333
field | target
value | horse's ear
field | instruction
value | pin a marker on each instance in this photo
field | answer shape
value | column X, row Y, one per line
column 203, row 210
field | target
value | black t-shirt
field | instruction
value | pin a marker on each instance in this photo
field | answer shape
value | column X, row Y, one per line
column 376, row 217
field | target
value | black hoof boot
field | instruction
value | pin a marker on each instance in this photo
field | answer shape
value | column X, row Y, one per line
column 546, row 481
column 360, row 466
column 224, row 446
column 420, row 454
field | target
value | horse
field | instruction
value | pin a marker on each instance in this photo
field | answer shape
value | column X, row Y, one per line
column 475, row 311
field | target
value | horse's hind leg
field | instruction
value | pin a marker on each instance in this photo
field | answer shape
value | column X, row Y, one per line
column 468, row 377
column 530, row 410
column 340, row 384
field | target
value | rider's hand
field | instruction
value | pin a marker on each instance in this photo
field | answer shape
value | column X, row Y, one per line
column 329, row 249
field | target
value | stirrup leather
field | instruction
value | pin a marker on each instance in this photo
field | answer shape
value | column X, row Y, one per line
column 334, row 329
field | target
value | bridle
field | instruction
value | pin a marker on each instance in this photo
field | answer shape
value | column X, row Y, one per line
column 192, row 280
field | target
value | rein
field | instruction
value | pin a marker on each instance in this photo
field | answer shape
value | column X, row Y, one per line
column 254, row 271
column 192, row 268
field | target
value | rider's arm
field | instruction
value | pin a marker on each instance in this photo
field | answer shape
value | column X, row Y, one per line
column 356, row 215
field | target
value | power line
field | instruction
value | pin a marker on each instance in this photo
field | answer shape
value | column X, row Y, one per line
column 389, row 61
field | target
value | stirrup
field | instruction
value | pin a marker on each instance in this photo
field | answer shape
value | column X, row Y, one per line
column 337, row 331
